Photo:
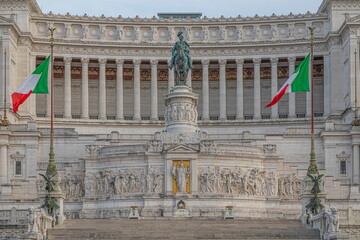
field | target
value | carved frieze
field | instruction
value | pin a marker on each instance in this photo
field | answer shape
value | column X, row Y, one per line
column 181, row 112
column 108, row 183
column 248, row 182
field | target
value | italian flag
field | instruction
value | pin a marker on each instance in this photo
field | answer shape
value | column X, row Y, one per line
column 299, row 81
column 37, row 82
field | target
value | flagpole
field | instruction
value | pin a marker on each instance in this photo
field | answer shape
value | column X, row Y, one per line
column 51, row 169
column 313, row 169
column 5, row 122
column 356, row 118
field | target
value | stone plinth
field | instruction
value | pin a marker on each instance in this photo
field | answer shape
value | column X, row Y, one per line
column 181, row 110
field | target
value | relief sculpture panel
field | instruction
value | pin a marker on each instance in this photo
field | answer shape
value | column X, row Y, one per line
column 248, row 182
column 108, row 183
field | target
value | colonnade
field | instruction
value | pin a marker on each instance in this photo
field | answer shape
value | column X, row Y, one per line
column 222, row 63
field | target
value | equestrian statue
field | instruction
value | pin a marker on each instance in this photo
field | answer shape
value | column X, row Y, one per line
column 181, row 60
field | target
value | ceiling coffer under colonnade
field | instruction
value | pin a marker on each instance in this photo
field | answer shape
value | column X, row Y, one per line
column 111, row 77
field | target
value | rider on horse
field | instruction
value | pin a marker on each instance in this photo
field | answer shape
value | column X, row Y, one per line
column 181, row 58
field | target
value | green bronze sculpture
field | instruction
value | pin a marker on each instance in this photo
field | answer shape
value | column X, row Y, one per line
column 50, row 203
column 315, row 205
column 181, row 60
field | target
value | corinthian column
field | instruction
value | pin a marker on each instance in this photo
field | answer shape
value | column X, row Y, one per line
column 356, row 164
column 188, row 79
column 274, row 86
column 119, row 89
column 171, row 77
column 257, row 88
column 239, row 89
column 205, row 90
column 85, row 88
column 137, row 115
column 292, row 99
column 154, row 88
column 102, row 88
column 67, row 87
column 222, row 64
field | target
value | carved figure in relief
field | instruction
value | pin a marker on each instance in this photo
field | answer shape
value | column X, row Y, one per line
column 102, row 32
column 149, row 180
column 188, row 112
column 174, row 113
column 67, row 30
column 31, row 221
column 181, row 60
column 85, row 32
column 291, row 31
column 137, row 34
column 257, row 32
column 188, row 33
column 181, row 175
column 154, row 32
column 205, row 33
column 158, row 183
column 274, row 31
column 119, row 32
column 222, row 33
column 171, row 34
column 180, row 112
column 239, row 31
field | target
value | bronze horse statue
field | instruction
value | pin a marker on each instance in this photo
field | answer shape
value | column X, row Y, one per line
column 181, row 60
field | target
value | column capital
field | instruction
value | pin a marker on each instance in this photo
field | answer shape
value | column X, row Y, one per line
column 292, row 59
column 67, row 60
column 154, row 62
column 205, row 62
column 119, row 62
column 102, row 61
column 239, row 61
column 274, row 60
column 257, row 61
column 85, row 60
column 137, row 62
column 222, row 62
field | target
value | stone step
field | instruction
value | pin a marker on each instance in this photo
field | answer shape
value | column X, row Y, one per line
column 182, row 229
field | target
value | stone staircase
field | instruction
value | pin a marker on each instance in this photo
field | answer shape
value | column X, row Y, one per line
column 182, row 229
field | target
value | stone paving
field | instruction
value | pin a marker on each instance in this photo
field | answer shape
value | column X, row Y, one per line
column 182, row 229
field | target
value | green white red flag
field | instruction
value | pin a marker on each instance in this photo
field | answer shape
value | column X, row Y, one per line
column 299, row 81
column 37, row 82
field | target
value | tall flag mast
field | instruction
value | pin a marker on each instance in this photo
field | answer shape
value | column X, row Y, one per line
column 313, row 169
column 356, row 118
column 51, row 169
column 5, row 122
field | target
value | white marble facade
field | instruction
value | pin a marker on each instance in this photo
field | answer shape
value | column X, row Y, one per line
column 111, row 79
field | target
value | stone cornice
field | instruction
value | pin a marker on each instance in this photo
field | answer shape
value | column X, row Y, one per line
column 13, row 5
column 164, row 52
column 50, row 17
column 328, row 5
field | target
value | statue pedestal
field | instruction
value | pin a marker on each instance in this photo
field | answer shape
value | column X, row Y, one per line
column 181, row 110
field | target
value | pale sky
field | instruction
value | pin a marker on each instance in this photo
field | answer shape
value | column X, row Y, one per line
column 149, row 8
